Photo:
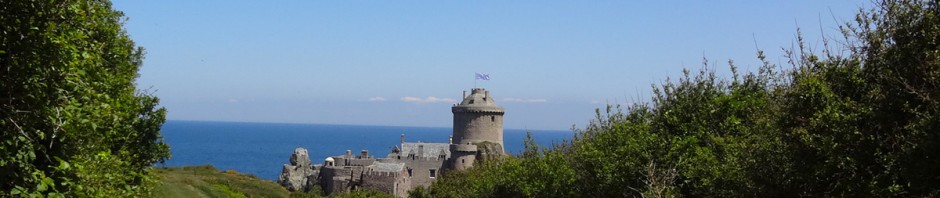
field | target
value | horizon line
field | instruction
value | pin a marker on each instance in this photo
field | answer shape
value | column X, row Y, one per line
column 307, row 123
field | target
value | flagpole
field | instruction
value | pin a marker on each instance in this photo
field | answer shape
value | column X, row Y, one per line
column 475, row 80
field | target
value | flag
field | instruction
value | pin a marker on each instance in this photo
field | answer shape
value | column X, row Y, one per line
column 483, row 76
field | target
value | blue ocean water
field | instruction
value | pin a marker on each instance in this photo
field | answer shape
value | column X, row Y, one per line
column 261, row 149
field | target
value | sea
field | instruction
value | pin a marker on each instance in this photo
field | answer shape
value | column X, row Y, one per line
column 261, row 149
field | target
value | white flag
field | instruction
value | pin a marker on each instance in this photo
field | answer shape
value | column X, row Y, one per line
column 483, row 76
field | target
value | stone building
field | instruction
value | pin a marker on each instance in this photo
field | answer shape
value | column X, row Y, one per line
column 477, row 134
column 478, row 124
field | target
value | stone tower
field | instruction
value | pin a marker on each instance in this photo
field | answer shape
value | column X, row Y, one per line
column 478, row 128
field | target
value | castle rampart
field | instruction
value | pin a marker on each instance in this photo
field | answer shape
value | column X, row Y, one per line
column 477, row 121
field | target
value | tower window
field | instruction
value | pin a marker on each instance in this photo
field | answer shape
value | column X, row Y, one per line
column 409, row 172
column 433, row 173
column 471, row 101
column 493, row 118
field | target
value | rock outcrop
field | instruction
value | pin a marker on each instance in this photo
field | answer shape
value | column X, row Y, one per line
column 488, row 150
column 300, row 174
column 300, row 157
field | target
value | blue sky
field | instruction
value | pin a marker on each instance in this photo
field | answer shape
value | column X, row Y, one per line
column 404, row 63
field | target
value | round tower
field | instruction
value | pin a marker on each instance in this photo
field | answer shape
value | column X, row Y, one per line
column 477, row 119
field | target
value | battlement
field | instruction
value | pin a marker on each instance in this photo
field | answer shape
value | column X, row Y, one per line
column 479, row 97
column 465, row 109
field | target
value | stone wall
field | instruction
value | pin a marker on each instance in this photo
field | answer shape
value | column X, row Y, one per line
column 476, row 127
column 339, row 178
column 396, row 183
column 421, row 170
column 343, row 161
column 462, row 156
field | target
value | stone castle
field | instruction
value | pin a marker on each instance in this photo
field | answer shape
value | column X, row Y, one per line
column 477, row 135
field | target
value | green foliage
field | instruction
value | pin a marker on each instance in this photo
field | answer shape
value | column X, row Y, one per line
column 72, row 122
column 866, row 124
column 863, row 124
column 508, row 177
column 362, row 194
column 309, row 194
column 207, row 181
column 314, row 191
column 419, row 192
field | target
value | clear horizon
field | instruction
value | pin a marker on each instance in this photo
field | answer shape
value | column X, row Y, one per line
column 341, row 124
column 404, row 63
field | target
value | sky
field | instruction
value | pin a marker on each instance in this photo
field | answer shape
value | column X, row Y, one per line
column 405, row 63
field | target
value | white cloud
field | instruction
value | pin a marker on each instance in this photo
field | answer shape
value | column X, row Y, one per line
column 377, row 99
column 595, row 101
column 537, row 100
column 232, row 100
column 429, row 99
column 524, row 100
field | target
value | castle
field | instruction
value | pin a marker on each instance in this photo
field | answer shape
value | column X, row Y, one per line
column 477, row 134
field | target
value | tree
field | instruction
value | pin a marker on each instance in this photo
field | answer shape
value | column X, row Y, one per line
column 863, row 124
column 71, row 120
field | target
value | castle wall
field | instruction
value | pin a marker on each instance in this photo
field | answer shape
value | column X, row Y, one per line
column 341, row 161
column 421, row 170
column 478, row 127
column 396, row 183
column 462, row 156
column 339, row 178
column 462, row 160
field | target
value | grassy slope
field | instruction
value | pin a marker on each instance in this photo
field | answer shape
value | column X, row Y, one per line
column 206, row 181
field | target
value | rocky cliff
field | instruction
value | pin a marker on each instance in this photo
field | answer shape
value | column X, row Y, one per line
column 489, row 150
column 300, row 174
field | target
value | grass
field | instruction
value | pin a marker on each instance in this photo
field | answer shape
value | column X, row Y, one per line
column 207, row 181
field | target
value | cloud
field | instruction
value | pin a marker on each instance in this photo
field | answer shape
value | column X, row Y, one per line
column 539, row 100
column 429, row 99
column 377, row 99
column 232, row 100
column 595, row 101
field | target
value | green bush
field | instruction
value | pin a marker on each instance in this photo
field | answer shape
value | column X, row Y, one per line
column 862, row 124
column 72, row 122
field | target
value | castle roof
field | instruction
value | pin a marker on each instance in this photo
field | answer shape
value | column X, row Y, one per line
column 425, row 150
column 479, row 100
column 387, row 167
